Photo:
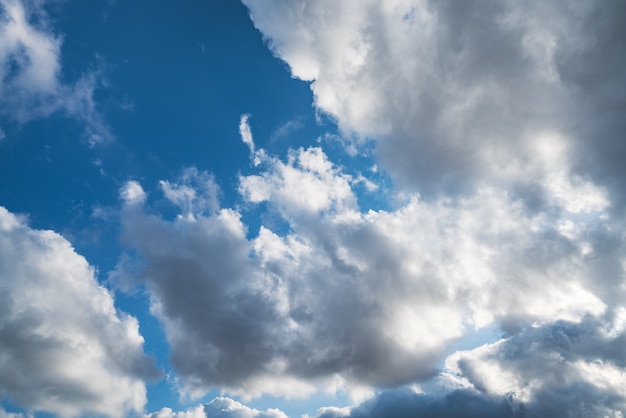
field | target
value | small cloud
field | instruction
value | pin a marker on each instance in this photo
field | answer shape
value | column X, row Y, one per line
column 245, row 132
column 132, row 193
column 287, row 129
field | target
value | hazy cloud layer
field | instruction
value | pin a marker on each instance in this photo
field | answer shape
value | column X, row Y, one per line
column 459, row 93
column 65, row 349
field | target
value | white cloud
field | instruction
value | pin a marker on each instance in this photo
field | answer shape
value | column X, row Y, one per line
column 34, row 52
column 226, row 407
column 132, row 193
column 197, row 412
column 246, row 132
column 65, row 348
column 30, row 72
column 307, row 183
column 220, row 407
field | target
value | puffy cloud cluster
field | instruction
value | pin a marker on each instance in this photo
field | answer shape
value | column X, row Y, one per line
column 30, row 72
column 458, row 93
column 345, row 300
column 64, row 347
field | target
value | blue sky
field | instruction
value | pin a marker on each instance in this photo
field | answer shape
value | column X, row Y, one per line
column 277, row 208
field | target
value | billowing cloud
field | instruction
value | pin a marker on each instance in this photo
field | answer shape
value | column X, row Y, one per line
column 30, row 72
column 456, row 94
column 345, row 300
column 65, row 348
column 560, row 369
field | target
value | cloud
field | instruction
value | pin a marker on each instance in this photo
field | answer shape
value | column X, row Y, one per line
column 456, row 95
column 219, row 408
column 246, row 133
column 197, row 412
column 30, row 73
column 505, row 219
column 345, row 300
column 65, row 348
column 404, row 403
column 132, row 193
column 286, row 129
column 196, row 192
column 563, row 368
column 5, row 414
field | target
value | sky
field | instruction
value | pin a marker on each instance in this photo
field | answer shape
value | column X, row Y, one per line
column 317, row 209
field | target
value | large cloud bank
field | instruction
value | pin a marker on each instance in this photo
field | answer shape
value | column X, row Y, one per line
column 458, row 93
column 64, row 347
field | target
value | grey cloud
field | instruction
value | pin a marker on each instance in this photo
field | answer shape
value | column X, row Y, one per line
column 563, row 369
column 405, row 403
column 221, row 326
column 65, row 348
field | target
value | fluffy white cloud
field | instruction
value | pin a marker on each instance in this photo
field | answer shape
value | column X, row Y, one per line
column 65, row 348
column 219, row 408
column 197, row 412
column 30, row 70
column 458, row 93
column 350, row 300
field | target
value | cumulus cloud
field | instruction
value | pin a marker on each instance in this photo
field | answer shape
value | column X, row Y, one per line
column 345, row 300
column 456, row 94
column 65, row 348
column 30, row 72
